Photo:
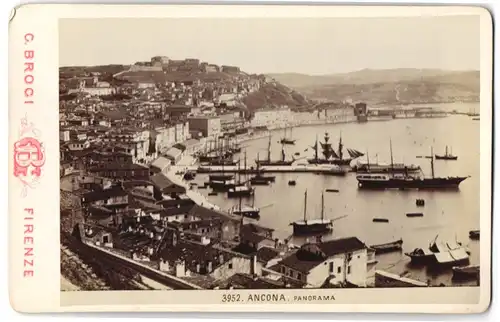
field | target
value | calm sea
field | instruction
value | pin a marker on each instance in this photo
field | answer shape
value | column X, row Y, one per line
column 449, row 214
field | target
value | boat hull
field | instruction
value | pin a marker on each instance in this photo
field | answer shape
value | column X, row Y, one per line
column 249, row 214
column 388, row 247
column 421, row 259
column 237, row 194
column 463, row 273
column 427, row 183
column 273, row 163
column 442, row 157
column 386, row 170
column 303, row 230
column 344, row 162
column 220, row 177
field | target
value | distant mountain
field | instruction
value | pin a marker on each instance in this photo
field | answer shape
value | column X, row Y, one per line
column 391, row 86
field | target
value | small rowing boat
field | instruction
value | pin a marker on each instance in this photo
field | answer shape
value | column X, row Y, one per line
column 463, row 272
column 388, row 247
column 474, row 234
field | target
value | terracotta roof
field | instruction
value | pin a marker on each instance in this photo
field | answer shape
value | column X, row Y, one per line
column 265, row 254
column 301, row 261
column 340, row 246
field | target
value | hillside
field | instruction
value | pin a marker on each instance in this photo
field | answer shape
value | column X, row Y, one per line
column 274, row 94
column 396, row 86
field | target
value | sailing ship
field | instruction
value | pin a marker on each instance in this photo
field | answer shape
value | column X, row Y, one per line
column 260, row 178
column 446, row 155
column 246, row 211
column 240, row 189
column 330, row 156
column 269, row 162
column 312, row 226
column 406, row 181
column 220, row 154
column 286, row 140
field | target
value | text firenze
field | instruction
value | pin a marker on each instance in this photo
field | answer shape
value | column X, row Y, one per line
column 29, row 66
column 28, row 227
column 28, row 242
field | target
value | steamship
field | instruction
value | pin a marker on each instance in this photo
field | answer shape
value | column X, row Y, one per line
column 406, row 181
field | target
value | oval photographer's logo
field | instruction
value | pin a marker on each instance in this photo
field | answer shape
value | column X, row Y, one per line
column 29, row 156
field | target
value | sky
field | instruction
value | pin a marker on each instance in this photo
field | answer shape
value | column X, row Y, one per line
column 312, row 46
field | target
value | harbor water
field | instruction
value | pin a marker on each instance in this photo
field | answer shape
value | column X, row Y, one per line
column 450, row 215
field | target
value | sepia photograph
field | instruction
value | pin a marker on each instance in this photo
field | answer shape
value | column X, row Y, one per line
column 269, row 153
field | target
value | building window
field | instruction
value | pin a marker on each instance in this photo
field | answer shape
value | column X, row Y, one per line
column 283, row 269
column 299, row 276
column 331, row 267
column 230, row 266
column 339, row 270
column 359, row 256
column 349, row 269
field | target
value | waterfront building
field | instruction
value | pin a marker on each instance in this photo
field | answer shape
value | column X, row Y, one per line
column 335, row 262
column 208, row 126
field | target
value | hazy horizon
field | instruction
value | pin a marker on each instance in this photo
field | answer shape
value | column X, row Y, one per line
column 310, row 46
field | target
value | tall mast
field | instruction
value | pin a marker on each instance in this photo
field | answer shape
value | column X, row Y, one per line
column 322, row 206
column 340, row 146
column 305, row 206
column 269, row 149
column 367, row 160
column 446, row 151
column 392, row 159
column 239, row 171
column 245, row 164
column 316, row 149
column 432, row 162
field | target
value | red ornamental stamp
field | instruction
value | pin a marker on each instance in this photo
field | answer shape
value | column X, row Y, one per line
column 29, row 156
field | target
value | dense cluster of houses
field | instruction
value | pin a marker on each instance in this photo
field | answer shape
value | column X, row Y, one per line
column 118, row 139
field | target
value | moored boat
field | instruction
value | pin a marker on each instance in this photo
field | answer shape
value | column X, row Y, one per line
column 446, row 156
column 421, row 256
column 243, row 190
column 396, row 245
column 474, row 234
column 402, row 182
column 466, row 272
column 312, row 226
column 380, row 220
column 330, row 156
column 246, row 211
column 220, row 177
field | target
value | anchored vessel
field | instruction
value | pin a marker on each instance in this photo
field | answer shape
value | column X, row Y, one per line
column 440, row 254
column 388, row 247
column 270, row 162
column 406, row 181
column 312, row 226
column 446, row 156
column 260, row 178
column 240, row 189
column 330, row 156
column 286, row 140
